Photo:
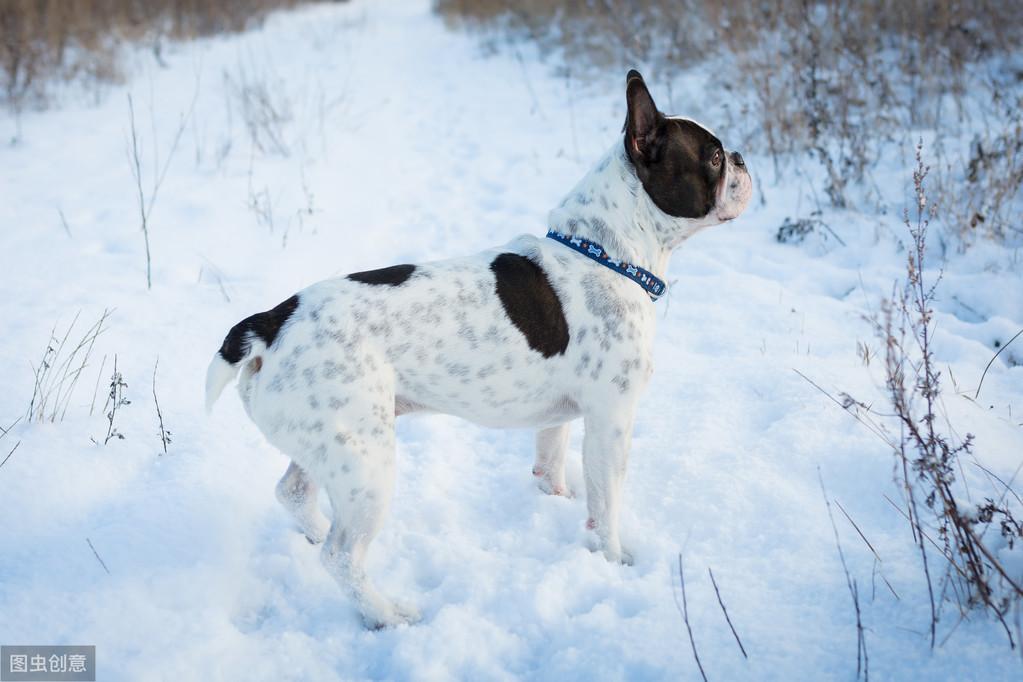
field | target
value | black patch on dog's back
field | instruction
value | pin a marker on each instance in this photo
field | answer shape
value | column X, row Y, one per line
column 531, row 303
column 393, row 276
column 264, row 325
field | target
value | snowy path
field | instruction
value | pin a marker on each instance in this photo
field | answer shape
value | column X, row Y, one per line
column 412, row 146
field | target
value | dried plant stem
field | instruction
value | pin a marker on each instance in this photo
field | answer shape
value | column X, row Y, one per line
column 927, row 537
column 721, row 603
column 95, row 390
column 927, row 459
column 870, row 546
column 63, row 221
column 136, row 171
column 10, row 453
column 164, row 434
column 159, row 174
column 4, row 432
column 862, row 660
column 685, row 618
column 58, row 371
column 993, row 358
column 98, row 557
column 1007, row 487
column 115, row 399
column 91, row 336
column 873, row 428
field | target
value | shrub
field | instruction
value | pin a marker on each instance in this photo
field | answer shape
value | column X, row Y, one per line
column 42, row 41
column 828, row 83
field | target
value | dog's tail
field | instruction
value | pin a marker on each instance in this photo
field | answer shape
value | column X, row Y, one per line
column 248, row 339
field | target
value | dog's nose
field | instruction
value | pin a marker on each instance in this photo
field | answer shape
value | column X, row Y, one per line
column 737, row 159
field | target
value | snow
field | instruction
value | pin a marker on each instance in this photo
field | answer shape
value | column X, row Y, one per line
column 405, row 143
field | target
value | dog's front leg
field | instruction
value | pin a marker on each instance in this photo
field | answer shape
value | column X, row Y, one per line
column 551, row 446
column 606, row 446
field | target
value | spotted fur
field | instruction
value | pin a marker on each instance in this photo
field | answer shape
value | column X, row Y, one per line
column 530, row 334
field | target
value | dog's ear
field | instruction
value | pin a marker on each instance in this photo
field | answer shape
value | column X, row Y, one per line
column 643, row 123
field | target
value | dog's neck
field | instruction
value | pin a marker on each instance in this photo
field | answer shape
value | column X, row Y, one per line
column 610, row 207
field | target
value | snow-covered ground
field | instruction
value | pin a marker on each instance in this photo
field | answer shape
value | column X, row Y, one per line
column 405, row 143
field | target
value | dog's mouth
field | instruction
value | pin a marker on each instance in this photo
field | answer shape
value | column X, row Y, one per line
column 734, row 193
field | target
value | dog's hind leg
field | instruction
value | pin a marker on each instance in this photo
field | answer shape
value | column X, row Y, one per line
column 358, row 472
column 298, row 494
column 551, row 446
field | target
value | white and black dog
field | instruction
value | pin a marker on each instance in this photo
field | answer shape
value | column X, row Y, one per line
column 534, row 333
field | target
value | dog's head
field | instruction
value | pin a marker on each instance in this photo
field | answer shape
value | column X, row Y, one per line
column 682, row 166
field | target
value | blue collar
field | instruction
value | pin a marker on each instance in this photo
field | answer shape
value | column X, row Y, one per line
column 652, row 285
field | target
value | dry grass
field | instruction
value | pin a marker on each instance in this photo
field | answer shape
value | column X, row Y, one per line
column 929, row 459
column 830, row 83
column 42, row 41
column 944, row 516
column 980, row 193
column 59, row 369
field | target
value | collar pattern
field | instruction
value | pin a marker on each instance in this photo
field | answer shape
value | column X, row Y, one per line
column 651, row 283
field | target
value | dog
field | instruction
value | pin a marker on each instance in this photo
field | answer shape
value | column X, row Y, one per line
column 536, row 333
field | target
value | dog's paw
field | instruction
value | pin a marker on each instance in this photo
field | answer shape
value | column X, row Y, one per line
column 548, row 484
column 561, row 490
column 315, row 538
column 407, row 612
column 390, row 615
column 618, row 556
column 314, row 529
column 622, row 556
column 612, row 551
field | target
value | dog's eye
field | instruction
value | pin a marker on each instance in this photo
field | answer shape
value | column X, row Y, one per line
column 716, row 159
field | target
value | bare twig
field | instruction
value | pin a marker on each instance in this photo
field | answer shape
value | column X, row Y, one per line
column 182, row 124
column 36, row 406
column 216, row 274
column 95, row 390
column 860, row 532
column 63, row 221
column 264, row 108
column 136, row 170
column 685, row 618
column 10, row 453
column 98, row 557
column 223, row 291
column 116, row 400
column 1007, row 487
column 927, row 537
column 870, row 546
column 991, row 361
column 4, row 432
column 164, row 433
column 725, row 611
column 873, row 428
column 91, row 336
column 58, row 371
column 862, row 661
column 962, row 617
column 159, row 173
